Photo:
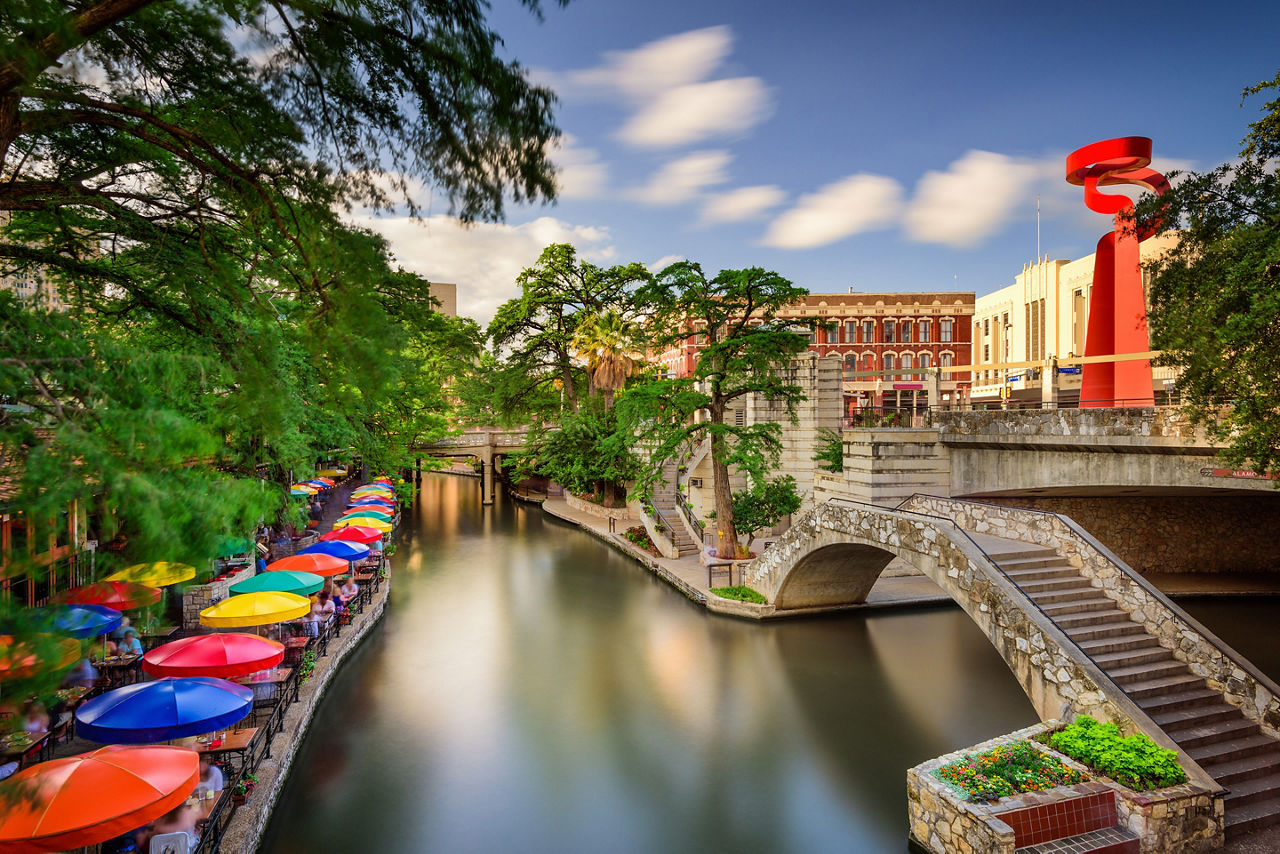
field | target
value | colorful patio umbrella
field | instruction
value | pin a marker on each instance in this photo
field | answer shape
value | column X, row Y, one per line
column 234, row 546
column 305, row 487
column 120, row 595
column 339, row 549
column 364, row 522
column 90, row 798
column 224, row 654
column 352, row 534
column 319, row 564
column 330, row 481
column 171, row 707
column 158, row 574
column 380, row 488
column 255, row 609
column 294, row 491
column 280, row 581
column 332, row 472
column 384, row 502
column 36, row 653
column 380, row 512
column 82, row 621
column 319, row 484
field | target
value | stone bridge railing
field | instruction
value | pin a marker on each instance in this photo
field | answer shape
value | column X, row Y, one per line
column 1058, row 677
column 1149, row 425
column 479, row 439
column 1242, row 684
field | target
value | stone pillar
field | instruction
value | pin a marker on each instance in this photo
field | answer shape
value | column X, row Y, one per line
column 1049, row 383
column 933, row 379
column 486, row 476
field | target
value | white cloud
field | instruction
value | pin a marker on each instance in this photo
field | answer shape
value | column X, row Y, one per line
column 741, row 204
column 580, row 174
column 698, row 111
column 483, row 259
column 667, row 85
column 969, row 202
column 848, row 206
column 680, row 180
column 663, row 262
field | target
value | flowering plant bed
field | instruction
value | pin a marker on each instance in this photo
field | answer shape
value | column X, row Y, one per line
column 1007, row 770
column 639, row 536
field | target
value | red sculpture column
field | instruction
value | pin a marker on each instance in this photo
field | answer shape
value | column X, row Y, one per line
column 1117, row 309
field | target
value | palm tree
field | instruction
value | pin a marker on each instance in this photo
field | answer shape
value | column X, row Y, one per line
column 607, row 342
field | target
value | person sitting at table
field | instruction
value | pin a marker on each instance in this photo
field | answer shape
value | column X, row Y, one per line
column 35, row 718
column 180, row 819
column 210, row 778
column 308, row 625
column 118, row 632
column 349, row 590
column 130, row 645
column 82, row 675
column 323, row 608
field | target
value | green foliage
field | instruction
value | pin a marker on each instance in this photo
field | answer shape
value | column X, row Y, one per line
column 587, row 453
column 740, row 592
column 1215, row 296
column 744, row 352
column 1007, row 770
column 764, row 504
column 1134, row 761
column 830, row 453
column 308, row 665
column 639, row 536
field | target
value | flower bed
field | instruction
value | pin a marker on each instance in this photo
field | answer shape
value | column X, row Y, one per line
column 1006, row 770
column 639, row 536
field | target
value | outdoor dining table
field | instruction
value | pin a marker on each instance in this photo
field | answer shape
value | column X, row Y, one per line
column 21, row 746
column 158, row 632
column 234, row 741
column 116, row 667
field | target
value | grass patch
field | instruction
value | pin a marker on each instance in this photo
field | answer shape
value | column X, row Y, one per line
column 1006, row 770
column 740, row 592
column 1134, row 760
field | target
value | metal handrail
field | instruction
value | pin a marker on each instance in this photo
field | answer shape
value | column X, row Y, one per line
column 685, row 510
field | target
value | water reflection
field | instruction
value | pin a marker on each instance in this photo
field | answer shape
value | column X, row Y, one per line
column 532, row 690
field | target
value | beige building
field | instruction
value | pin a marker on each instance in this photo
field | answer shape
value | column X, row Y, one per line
column 447, row 294
column 1042, row 316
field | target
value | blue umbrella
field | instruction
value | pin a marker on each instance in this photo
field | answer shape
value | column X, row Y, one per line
column 338, row 548
column 82, row 621
column 164, row 709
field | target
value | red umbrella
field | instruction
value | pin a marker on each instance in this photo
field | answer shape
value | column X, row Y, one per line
column 319, row 564
column 86, row 799
column 120, row 595
column 225, row 654
column 354, row 534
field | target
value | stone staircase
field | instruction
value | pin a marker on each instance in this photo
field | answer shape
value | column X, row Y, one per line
column 1233, row 750
column 664, row 501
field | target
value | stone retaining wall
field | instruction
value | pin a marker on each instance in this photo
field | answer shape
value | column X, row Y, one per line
column 622, row 514
column 1208, row 657
column 197, row 597
column 1152, row 422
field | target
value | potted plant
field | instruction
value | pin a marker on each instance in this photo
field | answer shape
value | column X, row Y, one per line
column 240, row 793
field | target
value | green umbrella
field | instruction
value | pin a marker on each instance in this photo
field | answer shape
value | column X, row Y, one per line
column 280, row 581
column 234, row 546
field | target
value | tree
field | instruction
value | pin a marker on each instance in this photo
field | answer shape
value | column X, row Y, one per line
column 586, row 453
column 608, row 343
column 1215, row 296
column 830, row 454
column 764, row 504
column 745, row 349
column 556, row 295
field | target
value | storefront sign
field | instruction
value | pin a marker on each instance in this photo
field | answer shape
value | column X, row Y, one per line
column 1243, row 474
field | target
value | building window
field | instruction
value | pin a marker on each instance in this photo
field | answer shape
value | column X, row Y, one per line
column 925, row 331
column 868, row 331
column 906, row 332
column 851, row 362
column 889, row 364
column 986, row 352
column 850, row 331
column 945, row 331
column 889, row 332
column 945, row 360
column 907, row 363
column 925, row 361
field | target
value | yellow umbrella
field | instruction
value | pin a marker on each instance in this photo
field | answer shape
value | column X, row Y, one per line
column 305, row 487
column 364, row 522
column 255, row 609
column 331, row 472
column 158, row 574
column 378, row 488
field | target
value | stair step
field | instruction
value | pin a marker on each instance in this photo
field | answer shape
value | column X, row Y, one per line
column 1049, row 585
column 1141, row 672
column 1252, row 816
column 1022, row 576
column 1174, row 721
column 1254, row 789
column 1213, row 732
column 1231, row 772
column 1235, row 748
column 1163, row 685
column 1123, row 643
column 1088, row 618
column 1060, row 597
column 1104, row 630
column 1150, row 654
column 1113, row 840
column 1178, row 700
column 1034, row 562
column 1093, row 604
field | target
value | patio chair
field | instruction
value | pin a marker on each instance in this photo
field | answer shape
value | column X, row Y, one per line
column 170, row 843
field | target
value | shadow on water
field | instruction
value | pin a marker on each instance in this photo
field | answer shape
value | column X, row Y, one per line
column 532, row 690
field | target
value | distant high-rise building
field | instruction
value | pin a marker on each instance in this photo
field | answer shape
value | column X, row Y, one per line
column 447, row 294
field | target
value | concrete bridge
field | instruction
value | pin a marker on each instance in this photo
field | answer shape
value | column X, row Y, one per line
column 489, row 446
column 1081, row 630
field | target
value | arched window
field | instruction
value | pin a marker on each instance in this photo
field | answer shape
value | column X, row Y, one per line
column 890, row 333
column 889, row 364
column 851, row 362
column 945, row 359
column 906, row 331
column 925, row 328
column 907, row 362
column 926, row 361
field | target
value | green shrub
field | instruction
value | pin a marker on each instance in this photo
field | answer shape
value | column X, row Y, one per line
column 1007, row 770
column 1134, row 761
column 740, row 592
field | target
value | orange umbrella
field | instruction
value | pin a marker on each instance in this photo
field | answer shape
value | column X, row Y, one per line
column 319, row 564
column 86, row 799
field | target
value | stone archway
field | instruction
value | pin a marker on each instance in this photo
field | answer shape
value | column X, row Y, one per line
column 836, row 574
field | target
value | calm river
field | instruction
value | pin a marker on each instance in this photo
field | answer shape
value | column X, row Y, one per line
column 531, row 690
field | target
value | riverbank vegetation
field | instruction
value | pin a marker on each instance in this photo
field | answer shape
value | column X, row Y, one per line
column 1134, row 761
column 741, row 593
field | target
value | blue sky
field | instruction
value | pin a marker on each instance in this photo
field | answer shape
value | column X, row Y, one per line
column 888, row 146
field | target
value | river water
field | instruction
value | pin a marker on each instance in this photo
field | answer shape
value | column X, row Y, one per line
column 532, row 690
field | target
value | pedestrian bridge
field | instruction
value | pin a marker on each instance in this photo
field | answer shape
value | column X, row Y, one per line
column 1081, row 631
column 488, row 446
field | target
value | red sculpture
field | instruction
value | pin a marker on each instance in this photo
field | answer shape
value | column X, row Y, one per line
column 1117, row 310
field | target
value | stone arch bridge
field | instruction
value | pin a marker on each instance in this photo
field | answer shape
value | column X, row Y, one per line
column 1080, row 630
column 488, row 446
